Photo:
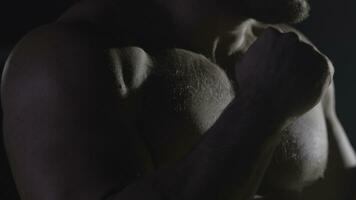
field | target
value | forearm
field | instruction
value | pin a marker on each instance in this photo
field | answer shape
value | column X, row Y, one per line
column 340, row 175
column 342, row 151
column 227, row 164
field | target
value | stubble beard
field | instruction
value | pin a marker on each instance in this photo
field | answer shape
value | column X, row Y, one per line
column 277, row 11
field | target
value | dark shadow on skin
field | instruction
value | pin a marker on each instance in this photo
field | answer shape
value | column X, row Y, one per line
column 7, row 186
column 8, row 190
column 15, row 21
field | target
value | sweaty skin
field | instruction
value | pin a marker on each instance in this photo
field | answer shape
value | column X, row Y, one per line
column 107, row 104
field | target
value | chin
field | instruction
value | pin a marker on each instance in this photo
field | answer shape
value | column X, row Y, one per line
column 277, row 11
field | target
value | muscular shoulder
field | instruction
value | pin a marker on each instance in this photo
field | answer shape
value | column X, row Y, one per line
column 47, row 55
column 63, row 56
column 54, row 46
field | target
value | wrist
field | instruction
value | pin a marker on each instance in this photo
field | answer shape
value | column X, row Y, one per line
column 259, row 109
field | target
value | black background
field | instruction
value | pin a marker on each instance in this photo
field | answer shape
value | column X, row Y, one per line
column 331, row 26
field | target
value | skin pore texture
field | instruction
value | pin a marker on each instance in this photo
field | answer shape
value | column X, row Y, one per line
column 154, row 100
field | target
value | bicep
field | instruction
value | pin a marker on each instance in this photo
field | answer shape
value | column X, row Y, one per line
column 62, row 125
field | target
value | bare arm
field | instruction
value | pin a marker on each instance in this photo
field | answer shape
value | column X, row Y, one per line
column 63, row 136
column 341, row 148
column 342, row 157
column 340, row 175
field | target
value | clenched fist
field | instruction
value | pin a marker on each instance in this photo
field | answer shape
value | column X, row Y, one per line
column 283, row 73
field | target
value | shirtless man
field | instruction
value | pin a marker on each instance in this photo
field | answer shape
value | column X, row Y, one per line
column 174, row 99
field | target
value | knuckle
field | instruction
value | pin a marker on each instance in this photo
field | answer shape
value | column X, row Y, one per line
column 291, row 36
column 330, row 67
column 324, row 65
column 320, row 70
column 303, row 46
column 317, row 70
column 288, row 40
column 322, row 74
column 272, row 32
